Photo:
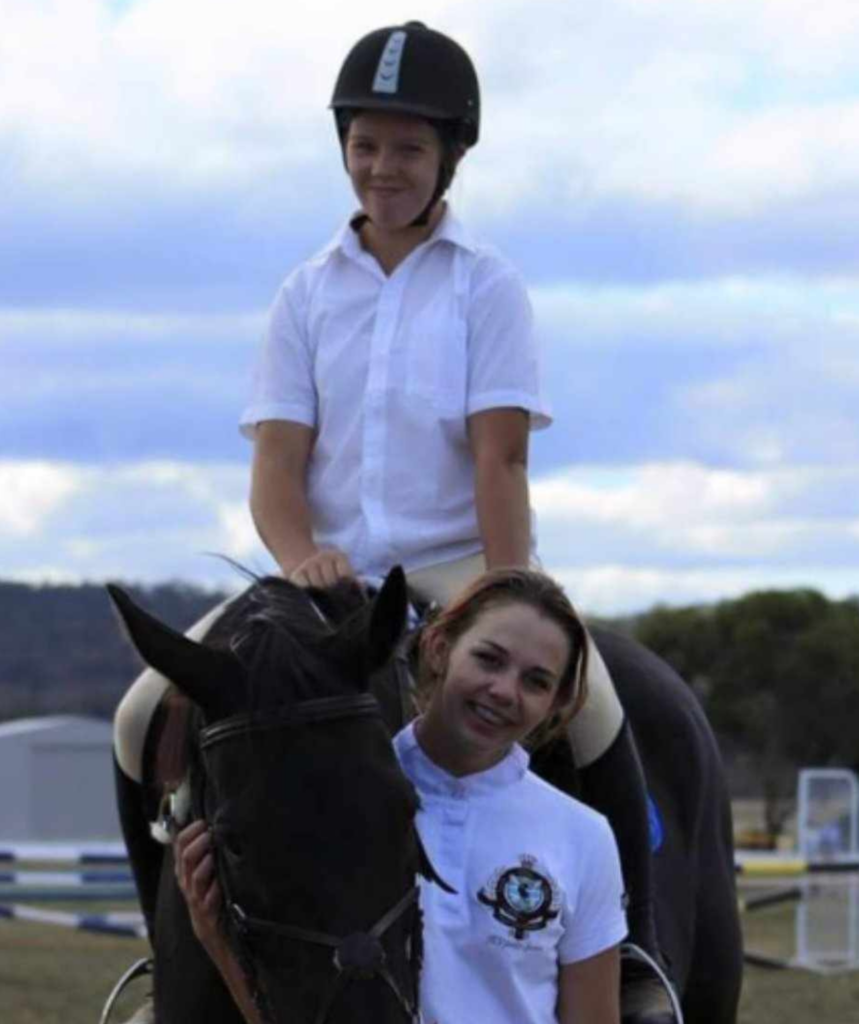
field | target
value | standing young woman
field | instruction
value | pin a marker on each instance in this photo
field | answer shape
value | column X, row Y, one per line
column 390, row 413
column 531, row 931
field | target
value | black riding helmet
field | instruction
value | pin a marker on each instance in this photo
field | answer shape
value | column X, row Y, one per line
column 412, row 69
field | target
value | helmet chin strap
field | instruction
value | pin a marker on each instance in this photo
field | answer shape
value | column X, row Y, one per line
column 447, row 168
column 450, row 156
column 422, row 218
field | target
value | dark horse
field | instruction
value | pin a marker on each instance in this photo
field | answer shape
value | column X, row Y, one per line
column 691, row 832
column 313, row 820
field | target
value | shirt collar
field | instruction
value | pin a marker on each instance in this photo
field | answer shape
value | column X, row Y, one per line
column 430, row 778
column 449, row 229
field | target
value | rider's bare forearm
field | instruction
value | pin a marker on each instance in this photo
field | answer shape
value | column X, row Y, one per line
column 503, row 512
column 278, row 500
column 282, row 519
column 499, row 445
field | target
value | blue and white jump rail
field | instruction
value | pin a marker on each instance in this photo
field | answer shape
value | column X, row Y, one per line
column 63, row 853
column 65, row 878
column 49, row 886
column 128, row 925
column 105, row 874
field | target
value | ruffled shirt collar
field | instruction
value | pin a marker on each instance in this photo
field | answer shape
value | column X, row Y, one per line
column 430, row 779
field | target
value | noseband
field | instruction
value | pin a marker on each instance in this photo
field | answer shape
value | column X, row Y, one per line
column 357, row 956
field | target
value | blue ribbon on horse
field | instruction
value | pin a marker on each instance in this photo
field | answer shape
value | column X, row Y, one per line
column 654, row 824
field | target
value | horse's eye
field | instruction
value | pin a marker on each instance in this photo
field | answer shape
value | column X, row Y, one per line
column 231, row 844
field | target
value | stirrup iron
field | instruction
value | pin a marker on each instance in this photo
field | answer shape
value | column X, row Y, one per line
column 630, row 951
column 137, row 970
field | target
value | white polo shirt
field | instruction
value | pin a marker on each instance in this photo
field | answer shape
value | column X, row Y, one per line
column 538, row 885
column 386, row 369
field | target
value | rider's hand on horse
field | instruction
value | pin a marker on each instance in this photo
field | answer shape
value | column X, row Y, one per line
column 195, row 873
column 322, row 569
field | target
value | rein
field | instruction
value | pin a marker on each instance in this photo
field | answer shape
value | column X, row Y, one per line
column 357, row 956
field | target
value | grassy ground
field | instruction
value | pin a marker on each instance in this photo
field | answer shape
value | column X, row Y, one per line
column 793, row 996
column 49, row 975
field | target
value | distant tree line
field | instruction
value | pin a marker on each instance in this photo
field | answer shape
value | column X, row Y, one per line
column 62, row 650
column 776, row 671
column 778, row 675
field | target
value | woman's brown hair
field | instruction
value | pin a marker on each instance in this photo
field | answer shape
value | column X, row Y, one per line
column 512, row 586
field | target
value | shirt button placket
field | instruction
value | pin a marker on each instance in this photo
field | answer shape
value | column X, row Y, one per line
column 375, row 417
column 454, row 821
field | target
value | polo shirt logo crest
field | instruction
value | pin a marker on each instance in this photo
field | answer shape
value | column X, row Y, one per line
column 522, row 898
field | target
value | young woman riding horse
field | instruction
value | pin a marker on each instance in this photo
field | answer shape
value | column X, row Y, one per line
column 390, row 415
column 532, row 926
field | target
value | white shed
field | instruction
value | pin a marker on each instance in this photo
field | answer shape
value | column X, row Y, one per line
column 57, row 778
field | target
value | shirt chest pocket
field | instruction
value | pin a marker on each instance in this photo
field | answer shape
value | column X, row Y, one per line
column 436, row 356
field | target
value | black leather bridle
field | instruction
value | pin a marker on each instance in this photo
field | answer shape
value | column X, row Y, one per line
column 357, row 956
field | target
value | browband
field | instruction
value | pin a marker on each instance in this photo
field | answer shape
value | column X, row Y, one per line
column 323, row 709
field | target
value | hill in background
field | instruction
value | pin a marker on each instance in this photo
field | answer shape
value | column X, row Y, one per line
column 62, row 650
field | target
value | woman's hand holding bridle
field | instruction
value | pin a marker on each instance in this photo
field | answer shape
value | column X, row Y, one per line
column 198, row 882
column 195, row 873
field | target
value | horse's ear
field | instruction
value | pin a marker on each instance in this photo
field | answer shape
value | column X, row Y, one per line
column 387, row 618
column 209, row 677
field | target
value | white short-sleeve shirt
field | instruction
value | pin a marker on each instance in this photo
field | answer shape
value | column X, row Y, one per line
column 386, row 369
column 538, row 885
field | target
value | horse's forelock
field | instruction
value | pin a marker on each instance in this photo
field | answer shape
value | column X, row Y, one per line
column 282, row 634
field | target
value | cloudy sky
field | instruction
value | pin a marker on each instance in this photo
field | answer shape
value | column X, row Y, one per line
column 677, row 179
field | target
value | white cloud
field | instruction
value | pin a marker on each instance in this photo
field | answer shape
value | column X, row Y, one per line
column 680, row 122
column 206, row 91
column 621, row 538
column 692, row 103
column 654, row 496
column 791, row 405
column 47, row 573
column 149, row 521
column 105, row 327
column 730, row 105
column 769, row 312
column 619, row 589
column 32, row 492
column 240, row 537
column 668, row 517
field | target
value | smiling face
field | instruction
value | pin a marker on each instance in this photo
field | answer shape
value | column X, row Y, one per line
column 393, row 161
column 499, row 681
